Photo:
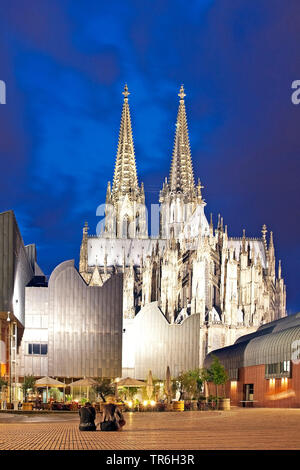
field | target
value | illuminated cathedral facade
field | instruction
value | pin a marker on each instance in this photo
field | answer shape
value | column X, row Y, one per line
column 191, row 267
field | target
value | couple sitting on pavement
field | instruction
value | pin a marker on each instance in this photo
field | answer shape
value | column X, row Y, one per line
column 112, row 418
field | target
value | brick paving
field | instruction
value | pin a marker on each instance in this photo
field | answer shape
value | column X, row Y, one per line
column 236, row 429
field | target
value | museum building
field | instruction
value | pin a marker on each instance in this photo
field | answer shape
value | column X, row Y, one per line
column 264, row 367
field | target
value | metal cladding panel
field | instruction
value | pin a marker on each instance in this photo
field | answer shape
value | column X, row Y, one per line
column 85, row 325
column 159, row 344
column 15, row 268
column 31, row 254
column 272, row 327
column 273, row 348
column 6, row 260
column 264, row 349
column 232, row 357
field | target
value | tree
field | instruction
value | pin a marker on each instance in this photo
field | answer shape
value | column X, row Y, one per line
column 54, row 393
column 104, row 388
column 217, row 374
column 3, row 383
column 29, row 383
column 189, row 383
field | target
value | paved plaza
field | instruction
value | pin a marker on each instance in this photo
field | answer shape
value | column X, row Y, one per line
column 236, row 429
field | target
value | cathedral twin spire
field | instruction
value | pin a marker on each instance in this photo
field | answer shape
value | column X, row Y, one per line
column 181, row 174
column 125, row 175
column 125, row 195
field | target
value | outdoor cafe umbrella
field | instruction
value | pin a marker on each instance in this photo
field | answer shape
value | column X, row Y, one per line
column 49, row 382
column 129, row 382
column 149, row 385
column 85, row 382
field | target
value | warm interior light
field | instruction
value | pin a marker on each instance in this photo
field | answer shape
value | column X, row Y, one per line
column 152, row 402
column 130, row 404
column 233, row 384
column 145, row 403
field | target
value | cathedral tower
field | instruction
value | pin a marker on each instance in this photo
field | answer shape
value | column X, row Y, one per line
column 125, row 214
column 180, row 197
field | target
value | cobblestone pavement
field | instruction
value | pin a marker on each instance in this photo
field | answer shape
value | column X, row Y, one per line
column 236, row 429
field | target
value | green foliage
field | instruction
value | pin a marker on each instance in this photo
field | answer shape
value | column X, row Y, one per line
column 189, row 383
column 68, row 398
column 156, row 388
column 54, row 393
column 28, row 384
column 83, row 401
column 3, row 383
column 216, row 374
column 104, row 388
column 132, row 391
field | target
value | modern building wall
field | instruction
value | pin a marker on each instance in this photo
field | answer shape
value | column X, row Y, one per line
column 152, row 343
column 15, row 268
column 16, row 271
column 281, row 392
column 81, row 325
column 36, row 332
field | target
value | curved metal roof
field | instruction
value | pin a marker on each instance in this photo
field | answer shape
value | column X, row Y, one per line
column 273, row 327
column 272, row 346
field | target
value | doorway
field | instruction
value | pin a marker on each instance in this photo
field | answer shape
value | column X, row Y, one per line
column 248, row 392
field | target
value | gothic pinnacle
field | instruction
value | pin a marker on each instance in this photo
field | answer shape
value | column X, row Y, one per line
column 199, row 187
column 271, row 244
column 85, row 228
column 125, row 174
column 279, row 269
column 264, row 236
column 244, row 241
column 125, row 92
column 181, row 173
column 181, row 93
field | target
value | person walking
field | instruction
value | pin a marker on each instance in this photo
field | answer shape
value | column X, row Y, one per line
column 87, row 418
column 112, row 418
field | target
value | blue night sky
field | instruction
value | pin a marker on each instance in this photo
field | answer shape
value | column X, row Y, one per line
column 65, row 64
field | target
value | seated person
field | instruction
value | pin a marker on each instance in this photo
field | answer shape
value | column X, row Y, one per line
column 87, row 418
column 112, row 419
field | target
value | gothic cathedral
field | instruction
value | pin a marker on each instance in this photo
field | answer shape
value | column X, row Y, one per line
column 191, row 266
